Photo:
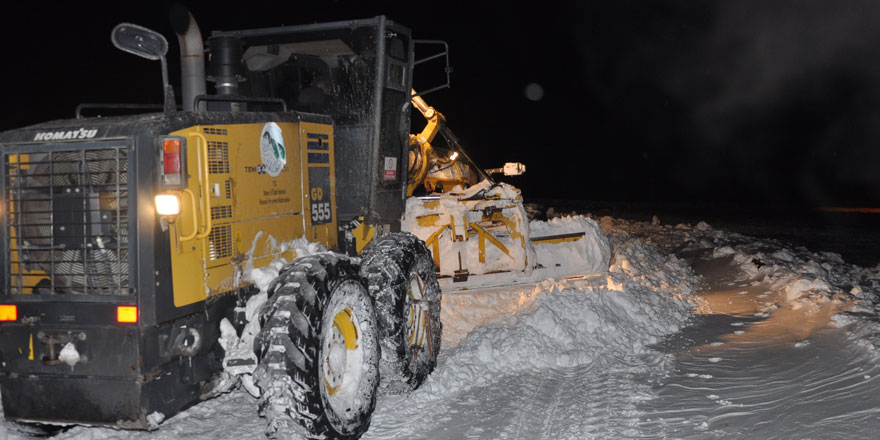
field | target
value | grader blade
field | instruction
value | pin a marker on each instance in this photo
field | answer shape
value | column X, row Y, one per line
column 481, row 236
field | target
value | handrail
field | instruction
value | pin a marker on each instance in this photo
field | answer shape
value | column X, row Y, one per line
column 195, row 221
column 203, row 175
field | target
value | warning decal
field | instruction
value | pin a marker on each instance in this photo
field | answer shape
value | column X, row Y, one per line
column 390, row 168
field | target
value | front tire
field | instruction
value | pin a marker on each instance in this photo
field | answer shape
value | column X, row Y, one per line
column 318, row 350
column 399, row 272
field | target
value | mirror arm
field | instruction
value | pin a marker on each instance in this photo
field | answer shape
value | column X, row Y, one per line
column 170, row 102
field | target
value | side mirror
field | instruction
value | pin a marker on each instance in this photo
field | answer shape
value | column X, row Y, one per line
column 148, row 44
column 140, row 41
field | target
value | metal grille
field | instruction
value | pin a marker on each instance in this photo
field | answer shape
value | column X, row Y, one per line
column 218, row 157
column 220, row 242
column 221, row 212
column 215, row 131
column 67, row 222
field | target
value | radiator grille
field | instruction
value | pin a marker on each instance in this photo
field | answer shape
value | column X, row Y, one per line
column 67, row 222
column 215, row 131
column 220, row 242
column 221, row 212
column 218, row 157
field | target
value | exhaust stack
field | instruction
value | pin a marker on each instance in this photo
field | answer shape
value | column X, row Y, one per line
column 192, row 56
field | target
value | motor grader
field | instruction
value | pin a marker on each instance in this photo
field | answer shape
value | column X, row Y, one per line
column 128, row 241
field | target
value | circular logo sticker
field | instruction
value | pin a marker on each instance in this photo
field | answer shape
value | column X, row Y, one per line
column 272, row 151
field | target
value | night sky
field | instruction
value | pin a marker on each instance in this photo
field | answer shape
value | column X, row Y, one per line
column 738, row 101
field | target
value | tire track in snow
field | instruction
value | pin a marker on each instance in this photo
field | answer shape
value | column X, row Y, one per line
column 540, row 406
column 826, row 388
column 589, row 402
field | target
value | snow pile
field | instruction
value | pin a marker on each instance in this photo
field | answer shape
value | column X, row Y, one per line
column 786, row 279
column 558, row 325
column 802, row 279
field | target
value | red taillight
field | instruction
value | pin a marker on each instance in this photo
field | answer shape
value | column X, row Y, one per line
column 171, row 158
column 8, row 312
column 126, row 314
column 171, row 148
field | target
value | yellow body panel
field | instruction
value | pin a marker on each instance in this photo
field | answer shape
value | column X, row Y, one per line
column 239, row 207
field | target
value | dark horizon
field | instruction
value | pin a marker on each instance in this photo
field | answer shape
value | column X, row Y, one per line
column 671, row 101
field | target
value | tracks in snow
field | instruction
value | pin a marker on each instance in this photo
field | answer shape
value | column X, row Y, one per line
column 596, row 401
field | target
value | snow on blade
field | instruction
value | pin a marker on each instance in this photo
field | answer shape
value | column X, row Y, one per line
column 588, row 255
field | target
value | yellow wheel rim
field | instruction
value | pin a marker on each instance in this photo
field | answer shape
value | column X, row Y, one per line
column 415, row 325
column 344, row 338
column 344, row 324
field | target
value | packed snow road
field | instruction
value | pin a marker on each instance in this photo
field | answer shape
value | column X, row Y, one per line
column 692, row 333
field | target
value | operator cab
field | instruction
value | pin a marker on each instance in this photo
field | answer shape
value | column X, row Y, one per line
column 357, row 72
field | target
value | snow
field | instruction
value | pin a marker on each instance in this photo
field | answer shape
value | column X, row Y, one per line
column 691, row 332
column 69, row 355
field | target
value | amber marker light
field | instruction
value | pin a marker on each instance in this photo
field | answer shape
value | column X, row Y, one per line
column 8, row 312
column 126, row 314
column 167, row 204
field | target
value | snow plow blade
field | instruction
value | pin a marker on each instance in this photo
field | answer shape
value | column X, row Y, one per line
column 480, row 230
column 481, row 237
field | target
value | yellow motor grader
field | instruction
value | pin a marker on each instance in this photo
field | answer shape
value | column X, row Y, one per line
column 128, row 242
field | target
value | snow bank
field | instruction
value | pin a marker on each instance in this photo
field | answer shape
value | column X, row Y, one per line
column 789, row 279
column 565, row 323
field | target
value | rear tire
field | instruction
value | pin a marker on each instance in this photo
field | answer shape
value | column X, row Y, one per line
column 399, row 272
column 318, row 350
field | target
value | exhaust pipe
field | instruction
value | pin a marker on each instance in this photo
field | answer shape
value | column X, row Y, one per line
column 192, row 56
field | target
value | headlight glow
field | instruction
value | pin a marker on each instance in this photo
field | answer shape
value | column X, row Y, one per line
column 167, row 204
